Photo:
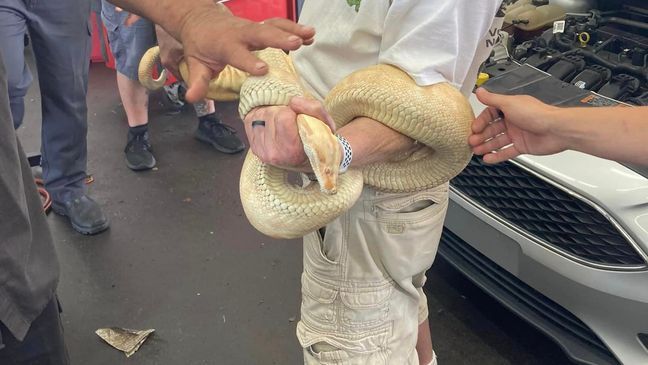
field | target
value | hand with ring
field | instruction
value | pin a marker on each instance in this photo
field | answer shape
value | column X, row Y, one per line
column 273, row 135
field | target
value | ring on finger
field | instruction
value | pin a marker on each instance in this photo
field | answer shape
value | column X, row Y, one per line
column 258, row 123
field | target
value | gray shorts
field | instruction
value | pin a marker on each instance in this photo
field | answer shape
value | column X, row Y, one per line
column 127, row 43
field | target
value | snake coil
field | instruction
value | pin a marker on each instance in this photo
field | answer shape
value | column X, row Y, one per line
column 438, row 117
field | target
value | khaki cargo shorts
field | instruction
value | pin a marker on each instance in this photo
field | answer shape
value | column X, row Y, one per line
column 362, row 297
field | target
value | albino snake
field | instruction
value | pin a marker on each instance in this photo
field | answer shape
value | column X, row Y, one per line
column 438, row 117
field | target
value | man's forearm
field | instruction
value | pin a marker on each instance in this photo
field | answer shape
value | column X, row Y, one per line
column 373, row 141
column 614, row 133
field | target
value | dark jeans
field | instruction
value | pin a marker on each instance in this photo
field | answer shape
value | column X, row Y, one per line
column 43, row 344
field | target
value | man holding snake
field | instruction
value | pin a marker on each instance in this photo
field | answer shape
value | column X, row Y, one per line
column 362, row 297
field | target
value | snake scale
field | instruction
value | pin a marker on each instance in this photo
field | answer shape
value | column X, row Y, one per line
column 437, row 117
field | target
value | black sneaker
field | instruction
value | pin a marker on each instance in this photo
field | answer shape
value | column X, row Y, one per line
column 84, row 213
column 221, row 136
column 138, row 150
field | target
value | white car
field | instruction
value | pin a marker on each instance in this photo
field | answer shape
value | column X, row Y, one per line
column 562, row 240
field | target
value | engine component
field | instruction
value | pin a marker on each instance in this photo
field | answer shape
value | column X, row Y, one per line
column 620, row 87
column 575, row 6
column 543, row 58
column 639, row 57
column 539, row 17
column 592, row 78
column 567, row 67
column 517, row 8
column 641, row 100
column 600, row 51
column 530, row 15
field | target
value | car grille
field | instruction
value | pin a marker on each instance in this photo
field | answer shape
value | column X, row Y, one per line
column 546, row 212
column 579, row 342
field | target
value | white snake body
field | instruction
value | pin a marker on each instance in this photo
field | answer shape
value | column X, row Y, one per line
column 438, row 117
column 279, row 209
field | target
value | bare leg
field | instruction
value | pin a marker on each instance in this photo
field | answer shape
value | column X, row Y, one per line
column 424, row 343
column 135, row 98
column 204, row 108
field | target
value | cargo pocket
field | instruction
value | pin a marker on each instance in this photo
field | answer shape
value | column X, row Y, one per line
column 344, row 348
column 324, row 354
column 112, row 35
column 405, row 230
column 318, row 308
column 409, row 208
column 110, row 21
column 366, row 308
column 322, row 256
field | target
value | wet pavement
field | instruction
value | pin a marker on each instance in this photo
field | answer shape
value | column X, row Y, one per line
column 181, row 258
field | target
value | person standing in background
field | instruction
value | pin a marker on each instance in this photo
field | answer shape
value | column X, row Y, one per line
column 129, row 39
column 30, row 326
column 60, row 38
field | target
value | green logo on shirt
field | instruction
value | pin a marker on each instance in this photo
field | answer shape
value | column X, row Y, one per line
column 355, row 3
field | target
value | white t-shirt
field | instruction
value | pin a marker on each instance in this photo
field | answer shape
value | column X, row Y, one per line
column 432, row 40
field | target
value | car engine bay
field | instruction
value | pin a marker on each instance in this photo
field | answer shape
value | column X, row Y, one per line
column 596, row 57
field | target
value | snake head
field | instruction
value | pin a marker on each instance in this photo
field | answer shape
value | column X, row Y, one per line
column 327, row 179
column 323, row 151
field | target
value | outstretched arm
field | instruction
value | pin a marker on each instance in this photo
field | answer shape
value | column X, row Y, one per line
column 529, row 126
column 212, row 38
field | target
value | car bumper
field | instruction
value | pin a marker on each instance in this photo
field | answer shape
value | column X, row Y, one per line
column 595, row 315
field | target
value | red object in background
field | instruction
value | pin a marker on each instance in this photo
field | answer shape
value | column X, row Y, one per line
column 96, row 54
column 255, row 10
column 258, row 10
